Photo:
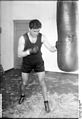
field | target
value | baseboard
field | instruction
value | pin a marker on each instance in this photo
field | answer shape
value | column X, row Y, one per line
column 9, row 70
column 49, row 72
column 54, row 72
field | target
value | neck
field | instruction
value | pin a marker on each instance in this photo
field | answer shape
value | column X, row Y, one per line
column 32, row 35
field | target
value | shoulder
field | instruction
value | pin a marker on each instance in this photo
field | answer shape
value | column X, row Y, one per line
column 25, row 34
column 21, row 39
column 40, row 35
column 44, row 38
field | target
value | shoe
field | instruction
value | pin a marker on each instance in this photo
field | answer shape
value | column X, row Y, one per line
column 47, row 109
column 22, row 98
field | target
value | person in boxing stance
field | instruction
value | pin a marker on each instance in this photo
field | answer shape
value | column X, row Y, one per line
column 29, row 49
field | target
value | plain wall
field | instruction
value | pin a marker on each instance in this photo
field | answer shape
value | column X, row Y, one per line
column 6, row 35
column 0, row 34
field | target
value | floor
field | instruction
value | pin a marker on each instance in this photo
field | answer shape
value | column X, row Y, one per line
column 62, row 95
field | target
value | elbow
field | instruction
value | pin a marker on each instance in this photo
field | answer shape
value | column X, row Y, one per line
column 19, row 56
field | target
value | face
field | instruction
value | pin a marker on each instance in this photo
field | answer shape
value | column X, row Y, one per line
column 34, row 32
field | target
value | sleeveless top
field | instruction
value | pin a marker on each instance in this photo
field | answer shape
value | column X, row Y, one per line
column 33, row 57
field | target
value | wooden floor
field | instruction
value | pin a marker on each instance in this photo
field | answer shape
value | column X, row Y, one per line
column 62, row 94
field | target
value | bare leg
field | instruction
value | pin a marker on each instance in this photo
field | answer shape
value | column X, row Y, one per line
column 24, row 82
column 41, row 76
column 23, row 86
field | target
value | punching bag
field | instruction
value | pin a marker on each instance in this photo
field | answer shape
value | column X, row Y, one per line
column 66, row 45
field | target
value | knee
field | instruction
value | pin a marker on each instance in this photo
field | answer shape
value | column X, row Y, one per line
column 42, row 80
column 23, row 82
column 41, row 77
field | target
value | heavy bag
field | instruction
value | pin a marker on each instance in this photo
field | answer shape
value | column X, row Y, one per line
column 67, row 18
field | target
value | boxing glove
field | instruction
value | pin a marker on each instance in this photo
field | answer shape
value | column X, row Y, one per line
column 34, row 50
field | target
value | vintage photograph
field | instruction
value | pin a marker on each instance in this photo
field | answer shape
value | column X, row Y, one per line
column 39, row 59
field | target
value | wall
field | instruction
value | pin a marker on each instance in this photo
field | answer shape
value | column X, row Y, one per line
column 6, row 35
column 0, row 33
column 25, row 10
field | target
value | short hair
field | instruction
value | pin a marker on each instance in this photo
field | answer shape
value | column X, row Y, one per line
column 35, row 24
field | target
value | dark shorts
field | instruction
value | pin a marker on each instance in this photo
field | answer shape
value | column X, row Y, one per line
column 36, row 67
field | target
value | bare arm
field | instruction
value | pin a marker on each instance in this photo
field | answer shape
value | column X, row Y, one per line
column 48, row 45
column 21, row 52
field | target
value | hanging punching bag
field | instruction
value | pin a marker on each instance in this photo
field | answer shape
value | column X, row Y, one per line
column 67, row 35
